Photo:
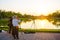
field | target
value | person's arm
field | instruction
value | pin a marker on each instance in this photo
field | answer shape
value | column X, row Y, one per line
column 19, row 21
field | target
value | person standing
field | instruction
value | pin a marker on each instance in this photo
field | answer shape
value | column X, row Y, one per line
column 10, row 25
column 15, row 23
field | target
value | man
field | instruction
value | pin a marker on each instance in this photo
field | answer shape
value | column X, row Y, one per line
column 10, row 25
column 15, row 22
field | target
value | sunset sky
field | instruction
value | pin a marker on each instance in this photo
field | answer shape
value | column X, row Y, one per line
column 33, row 7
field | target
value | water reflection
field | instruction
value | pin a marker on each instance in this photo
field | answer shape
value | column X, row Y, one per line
column 55, row 21
column 39, row 24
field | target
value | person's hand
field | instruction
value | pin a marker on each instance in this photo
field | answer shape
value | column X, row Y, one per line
column 16, row 27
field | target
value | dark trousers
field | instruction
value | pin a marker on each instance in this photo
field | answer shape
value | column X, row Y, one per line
column 15, row 32
column 10, row 29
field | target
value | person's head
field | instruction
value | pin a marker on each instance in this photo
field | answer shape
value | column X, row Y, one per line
column 15, row 16
column 10, row 17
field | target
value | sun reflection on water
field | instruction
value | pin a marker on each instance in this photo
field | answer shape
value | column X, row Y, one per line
column 39, row 24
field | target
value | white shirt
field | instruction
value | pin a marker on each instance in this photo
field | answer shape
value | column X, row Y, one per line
column 15, row 22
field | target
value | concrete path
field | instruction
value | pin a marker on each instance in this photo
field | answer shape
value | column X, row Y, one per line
column 34, row 36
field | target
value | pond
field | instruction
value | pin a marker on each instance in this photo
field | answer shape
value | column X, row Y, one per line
column 39, row 24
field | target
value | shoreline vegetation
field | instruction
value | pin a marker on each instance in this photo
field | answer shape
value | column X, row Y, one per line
column 5, row 15
column 34, row 30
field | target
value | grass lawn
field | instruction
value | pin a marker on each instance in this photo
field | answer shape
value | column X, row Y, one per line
column 34, row 30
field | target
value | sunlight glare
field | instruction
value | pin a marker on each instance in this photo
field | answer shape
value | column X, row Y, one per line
column 32, row 7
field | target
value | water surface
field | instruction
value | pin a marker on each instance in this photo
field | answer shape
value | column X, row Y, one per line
column 39, row 24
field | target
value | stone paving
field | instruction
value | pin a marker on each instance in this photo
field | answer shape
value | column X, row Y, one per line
column 34, row 36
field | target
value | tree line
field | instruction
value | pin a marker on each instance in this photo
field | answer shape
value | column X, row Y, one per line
column 4, row 15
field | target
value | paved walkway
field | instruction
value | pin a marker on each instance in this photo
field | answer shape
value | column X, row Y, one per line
column 35, row 36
